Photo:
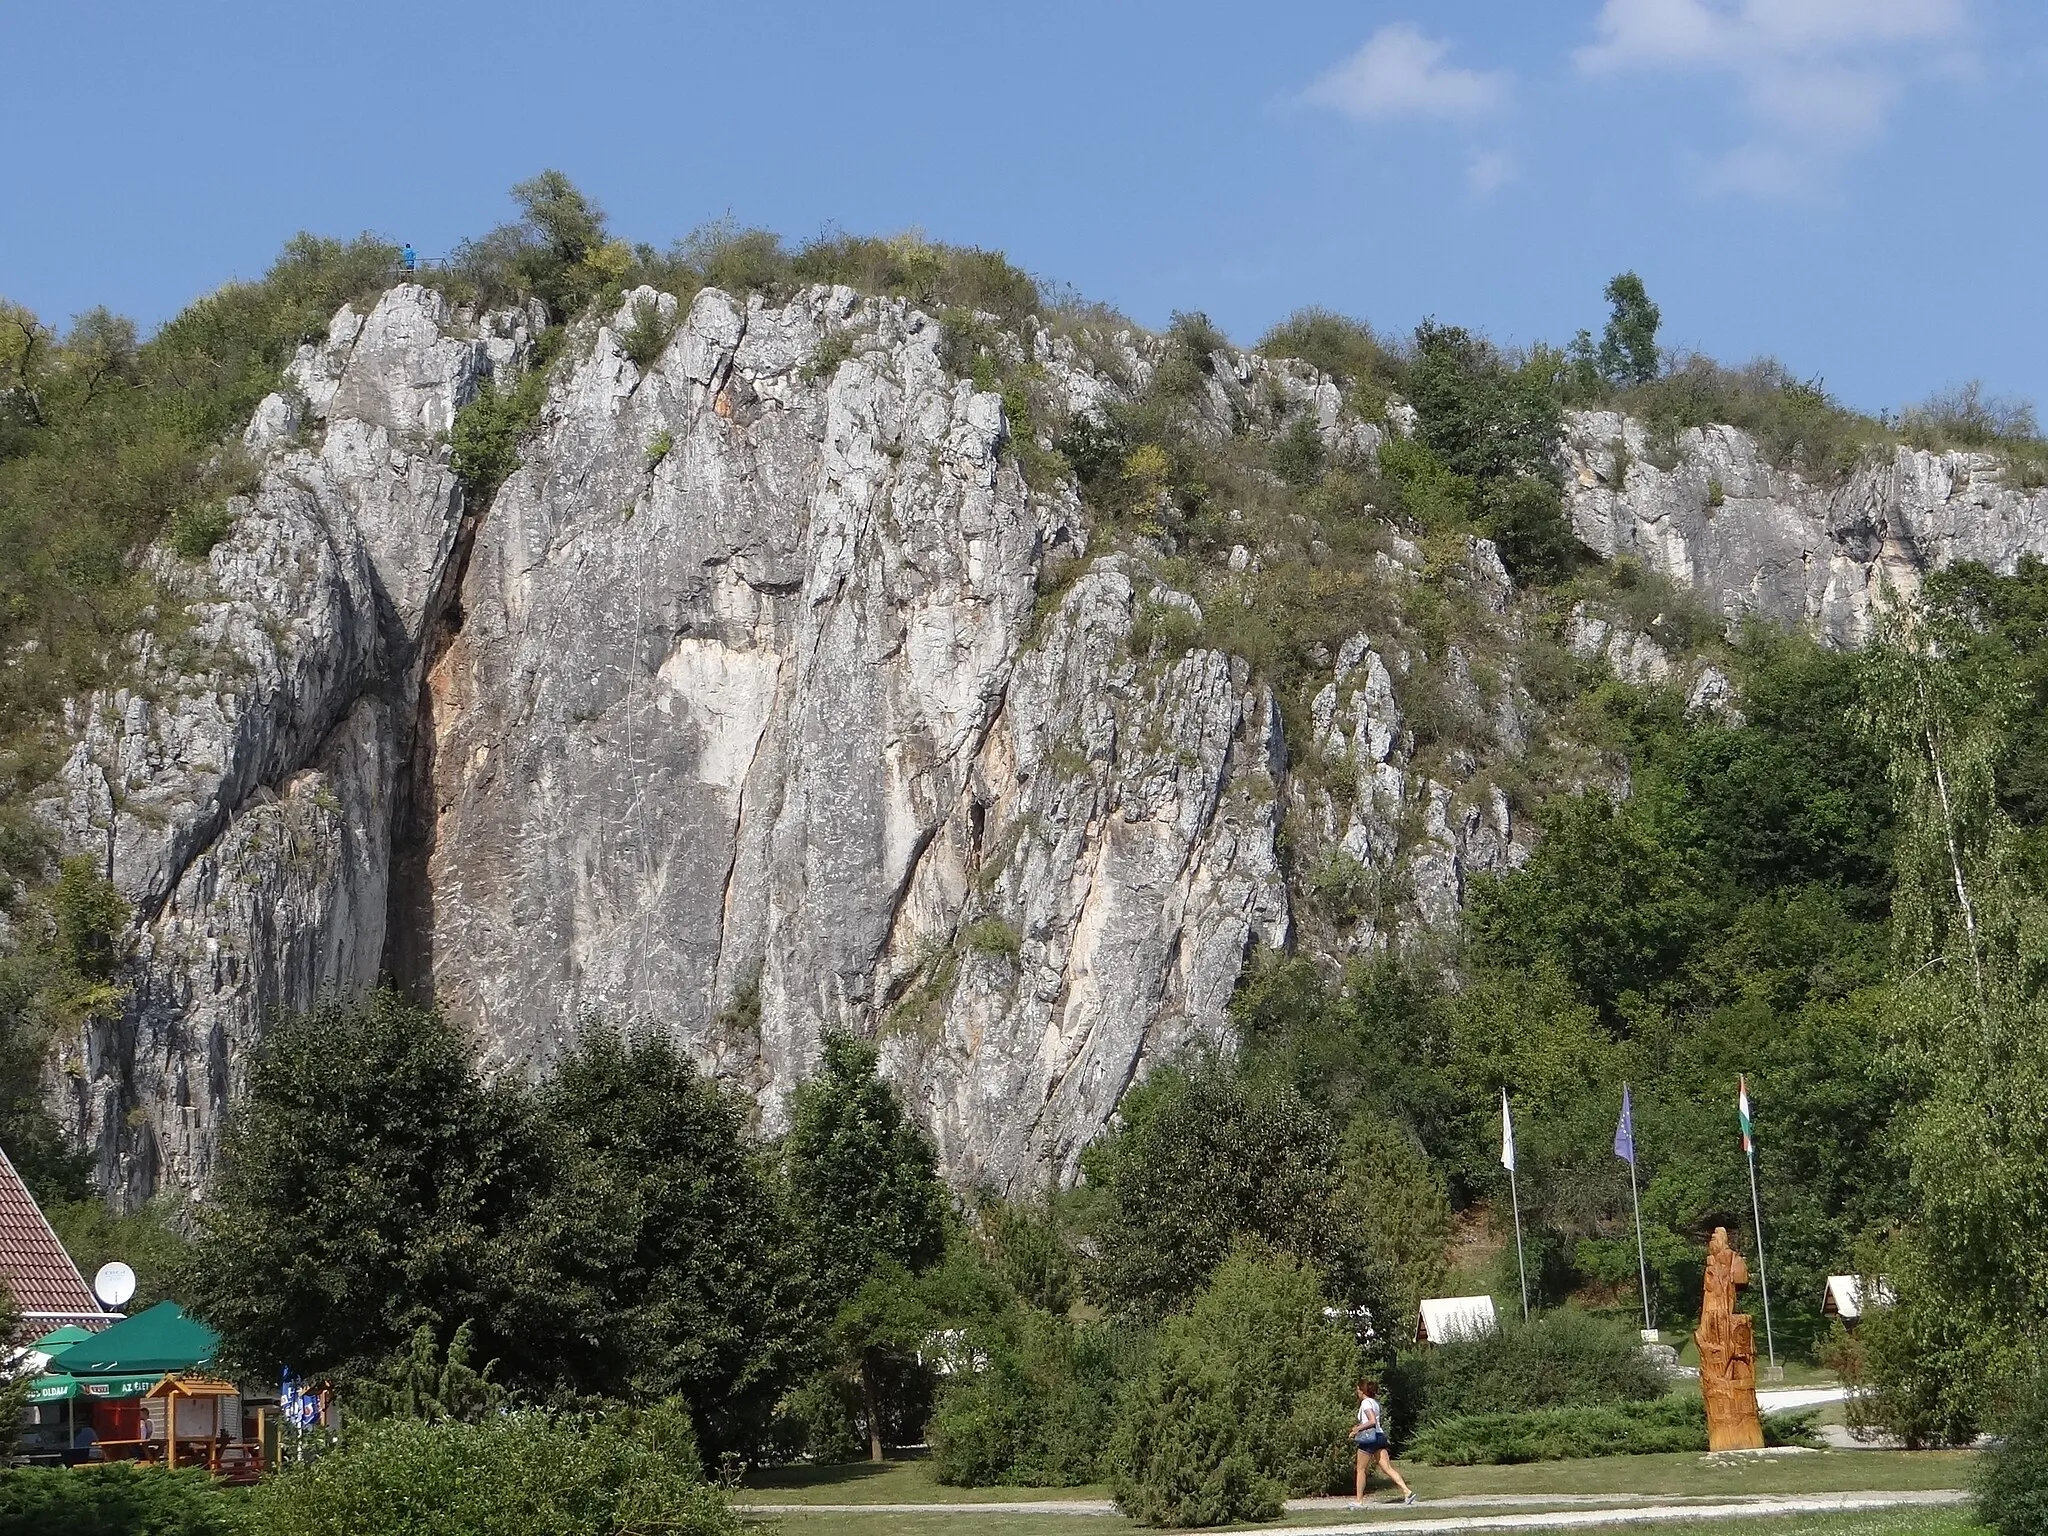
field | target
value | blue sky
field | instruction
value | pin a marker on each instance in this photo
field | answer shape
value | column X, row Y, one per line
column 1856, row 186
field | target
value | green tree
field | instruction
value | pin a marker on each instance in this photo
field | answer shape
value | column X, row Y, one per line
column 569, row 224
column 1039, row 1409
column 13, row 1393
column 656, row 1265
column 1526, row 520
column 2012, row 1480
column 1394, row 1214
column 426, row 1382
column 1628, row 346
column 1206, row 1157
column 1609, row 899
column 363, row 1184
column 1970, row 1003
column 1029, row 1253
column 1484, row 418
column 867, row 1200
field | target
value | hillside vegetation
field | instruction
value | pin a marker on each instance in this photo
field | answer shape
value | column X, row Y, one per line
column 1836, row 891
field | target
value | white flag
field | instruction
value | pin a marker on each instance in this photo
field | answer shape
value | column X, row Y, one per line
column 1507, row 1134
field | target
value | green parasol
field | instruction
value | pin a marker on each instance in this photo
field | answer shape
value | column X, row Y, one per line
column 147, row 1344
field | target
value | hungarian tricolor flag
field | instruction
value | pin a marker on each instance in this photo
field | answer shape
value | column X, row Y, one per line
column 1742, row 1113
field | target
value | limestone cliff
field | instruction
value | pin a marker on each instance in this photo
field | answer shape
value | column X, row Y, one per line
column 1753, row 538
column 766, row 697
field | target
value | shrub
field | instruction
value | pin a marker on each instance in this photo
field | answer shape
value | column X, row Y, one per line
column 1344, row 348
column 1564, row 1358
column 2012, row 1481
column 1558, row 1434
column 1675, row 1423
column 992, row 936
column 522, row 1475
column 1093, row 449
column 646, row 333
column 1795, row 422
column 1967, row 417
column 1169, row 628
column 1526, row 520
column 116, row 1500
column 196, row 529
column 1429, row 492
column 1041, row 1410
column 1343, row 887
column 1191, row 342
column 1297, row 455
column 485, row 440
column 1247, row 1397
column 1482, row 416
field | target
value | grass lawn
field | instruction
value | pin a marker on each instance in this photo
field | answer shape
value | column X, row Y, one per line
column 892, row 1482
column 1689, row 1474
column 1686, row 1474
column 1954, row 1520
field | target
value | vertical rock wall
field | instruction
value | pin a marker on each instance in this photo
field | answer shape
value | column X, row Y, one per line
column 749, row 710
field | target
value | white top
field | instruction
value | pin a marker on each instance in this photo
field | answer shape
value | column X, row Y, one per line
column 1445, row 1318
column 1369, row 1414
column 1844, row 1296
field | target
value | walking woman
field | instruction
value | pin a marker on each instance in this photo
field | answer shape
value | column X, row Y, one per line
column 1369, row 1438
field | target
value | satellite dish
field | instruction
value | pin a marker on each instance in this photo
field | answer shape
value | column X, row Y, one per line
column 114, row 1284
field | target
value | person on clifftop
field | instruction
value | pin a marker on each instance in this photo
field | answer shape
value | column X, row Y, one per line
column 1369, row 1439
column 408, row 259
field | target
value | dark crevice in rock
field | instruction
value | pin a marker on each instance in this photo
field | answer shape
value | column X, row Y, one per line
column 409, row 908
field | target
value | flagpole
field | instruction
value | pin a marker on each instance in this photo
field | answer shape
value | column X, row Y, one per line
column 1635, row 1201
column 1756, row 1210
column 1515, row 1198
column 1642, row 1262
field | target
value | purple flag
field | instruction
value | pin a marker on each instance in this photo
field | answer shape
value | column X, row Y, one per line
column 1625, row 1133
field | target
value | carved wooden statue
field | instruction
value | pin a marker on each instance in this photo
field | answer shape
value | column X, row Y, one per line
column 1727, row 1342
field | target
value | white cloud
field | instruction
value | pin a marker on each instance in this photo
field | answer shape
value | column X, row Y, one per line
column 1816, row 77
column 1400, row 72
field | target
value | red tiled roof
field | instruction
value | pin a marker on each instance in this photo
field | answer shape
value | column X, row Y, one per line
column 45, row 1284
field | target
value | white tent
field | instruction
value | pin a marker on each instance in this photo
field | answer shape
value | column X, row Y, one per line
column 1455, row 1317
column 1844, row 1298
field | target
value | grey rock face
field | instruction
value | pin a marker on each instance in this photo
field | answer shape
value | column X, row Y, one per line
column 1415, row 832
column 754, row 706
column 722, row 721
column 240, row 795
column 1111, row 863
column 1752, row 538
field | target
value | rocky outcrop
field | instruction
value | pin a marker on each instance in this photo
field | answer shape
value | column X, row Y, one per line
column 766, row 698
column 745, row 697
column 239, row 792
column 1752, row 538
column 1397, row 837
column 737, row 714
